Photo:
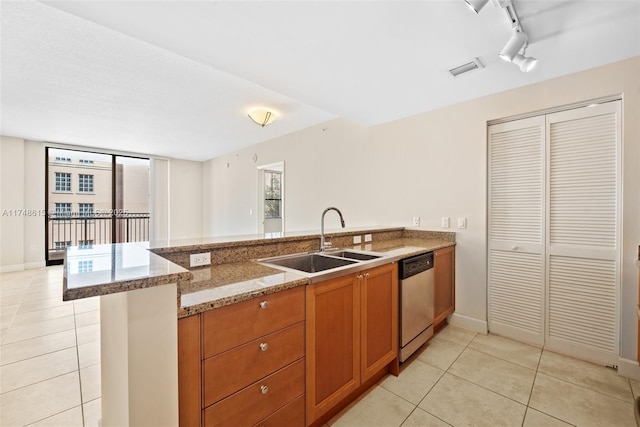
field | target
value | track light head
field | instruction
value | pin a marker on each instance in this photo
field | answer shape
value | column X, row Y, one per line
column 476, row 5
column 513, row 46
column 526, row 63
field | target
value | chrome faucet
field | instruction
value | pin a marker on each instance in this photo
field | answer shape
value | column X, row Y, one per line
column 324, row 245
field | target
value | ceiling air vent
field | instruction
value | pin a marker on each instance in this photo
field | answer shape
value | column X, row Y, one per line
column 474, row 64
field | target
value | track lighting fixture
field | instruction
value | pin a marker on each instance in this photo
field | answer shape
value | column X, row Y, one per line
column 476, row 5
column 513, row 46
column 526, row 63
column 518, row 41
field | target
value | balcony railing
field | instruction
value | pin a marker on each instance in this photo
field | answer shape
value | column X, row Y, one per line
column 72, row 230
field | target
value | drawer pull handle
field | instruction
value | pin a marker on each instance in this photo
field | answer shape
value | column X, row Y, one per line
column 264, row 346
column 359, row 276
column 264, row 389
column 264, row 304
column 366, row 275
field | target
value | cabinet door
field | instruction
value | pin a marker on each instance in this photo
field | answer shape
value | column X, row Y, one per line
column 189, row 374
column 333, row 343
column 379, row 302
column 444, row 286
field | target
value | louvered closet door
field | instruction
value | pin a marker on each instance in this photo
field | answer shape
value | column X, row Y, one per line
column 516, row 221
column 583, row 148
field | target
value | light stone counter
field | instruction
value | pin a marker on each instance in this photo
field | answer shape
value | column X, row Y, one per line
column 121, row 267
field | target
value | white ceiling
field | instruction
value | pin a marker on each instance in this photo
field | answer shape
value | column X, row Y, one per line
column 176, row 78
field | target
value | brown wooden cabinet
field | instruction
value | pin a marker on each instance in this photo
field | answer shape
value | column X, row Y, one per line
column 444, row 292
column 352, row 334
column 243, row 363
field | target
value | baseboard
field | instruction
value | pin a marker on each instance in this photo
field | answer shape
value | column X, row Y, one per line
column 36, row 264
column 629, row 368
column 10, row 268
column 22, row 267
column 471, row 323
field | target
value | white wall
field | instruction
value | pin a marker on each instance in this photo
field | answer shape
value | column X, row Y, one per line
column 430, row 165
column 185, row 199
column 325, row 165
column 21, row 188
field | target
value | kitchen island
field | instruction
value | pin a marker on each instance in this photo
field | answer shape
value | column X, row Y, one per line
column 144, row 288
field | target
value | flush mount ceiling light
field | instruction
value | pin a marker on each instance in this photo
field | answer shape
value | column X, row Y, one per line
column 476, row 5
column 262, row 117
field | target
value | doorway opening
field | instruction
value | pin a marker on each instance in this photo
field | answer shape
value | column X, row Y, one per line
column 271, row 199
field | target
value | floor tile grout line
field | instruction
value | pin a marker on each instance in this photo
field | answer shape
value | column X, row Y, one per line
column 584, row 387
column 41, row 381
column 51, row 416
column 33, row 357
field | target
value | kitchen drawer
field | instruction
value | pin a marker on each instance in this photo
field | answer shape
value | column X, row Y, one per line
column 232, row 370
column 227, row 327
column 255, row 402
column 291, row 415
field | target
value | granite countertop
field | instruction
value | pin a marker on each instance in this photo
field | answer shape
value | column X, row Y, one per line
column 220, row 285
column 122, row 267
column 112, row 268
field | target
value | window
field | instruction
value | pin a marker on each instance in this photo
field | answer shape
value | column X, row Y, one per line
column 85, row 266
column 63, row 209
column 85, row 183
column 85, row 162
column 63, row 159
column 62, row 245
column 63, row 181
column 86, row 209
column 85, row 244
column 272, row 194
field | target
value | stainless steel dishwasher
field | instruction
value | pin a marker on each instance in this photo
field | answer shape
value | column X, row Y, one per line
column 416, row 303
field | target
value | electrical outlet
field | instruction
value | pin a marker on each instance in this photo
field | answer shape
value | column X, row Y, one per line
column 367, row 237
column 357, row 240
column 462, row 222
column 196, row 260
column 416, row 221
column 445, row 222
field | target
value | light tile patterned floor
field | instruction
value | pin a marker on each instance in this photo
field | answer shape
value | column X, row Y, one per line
column 49, row 352
column 466, row 379
column 50, row 373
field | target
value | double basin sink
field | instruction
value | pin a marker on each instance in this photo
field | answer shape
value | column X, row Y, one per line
column 321, row 262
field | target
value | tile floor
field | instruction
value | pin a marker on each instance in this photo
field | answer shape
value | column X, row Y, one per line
column 50, row 373
column 49, row 352
column 466, row 379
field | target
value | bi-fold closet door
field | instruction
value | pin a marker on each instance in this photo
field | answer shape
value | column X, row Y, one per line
column 554, row 230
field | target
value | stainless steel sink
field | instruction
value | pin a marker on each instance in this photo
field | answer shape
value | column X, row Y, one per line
column 309, row 263
column 360, row 256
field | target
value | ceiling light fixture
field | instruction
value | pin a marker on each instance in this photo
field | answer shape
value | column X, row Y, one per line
column 526, row 63
column 262, row 117
column 519, row 39
column 513, row 46
column 476, row 5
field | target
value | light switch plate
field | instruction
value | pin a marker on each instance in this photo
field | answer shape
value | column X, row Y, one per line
column 357, row 240
column 416, row 221
column 462, row 222
column 445, row 222
column 367, row 237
